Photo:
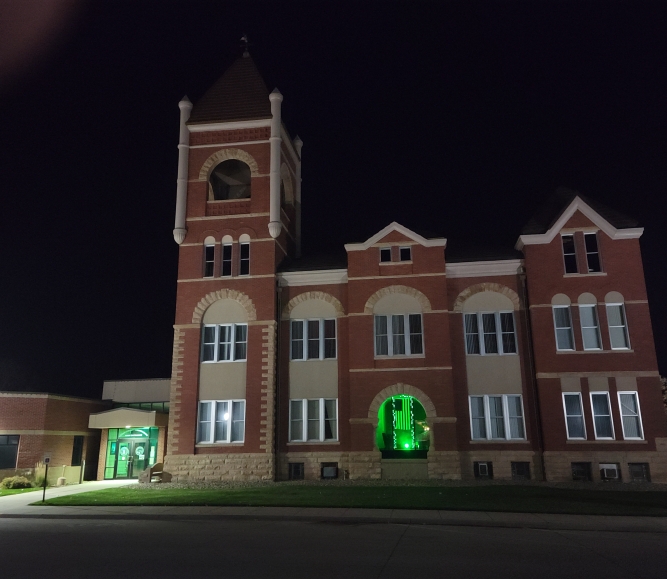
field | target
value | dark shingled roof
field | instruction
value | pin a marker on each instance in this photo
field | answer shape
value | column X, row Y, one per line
column 542, row 221
column 239, row 95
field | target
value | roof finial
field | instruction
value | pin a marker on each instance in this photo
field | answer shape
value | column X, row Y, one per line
column 244, row 45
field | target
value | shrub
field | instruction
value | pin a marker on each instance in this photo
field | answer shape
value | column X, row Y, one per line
column 39, row 481
column 16, row 482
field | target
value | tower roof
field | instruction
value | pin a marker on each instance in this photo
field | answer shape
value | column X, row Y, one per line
column 240, row 94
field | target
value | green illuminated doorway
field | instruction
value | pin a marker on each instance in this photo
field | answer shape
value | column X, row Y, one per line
column 402, row 430
column 130, row 451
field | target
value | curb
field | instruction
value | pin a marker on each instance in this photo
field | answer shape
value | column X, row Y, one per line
column 545, row 526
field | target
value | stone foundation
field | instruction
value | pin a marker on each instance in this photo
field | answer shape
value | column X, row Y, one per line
column 219, row 467
column 502, row 462
column 352, row 465
column 444, row 465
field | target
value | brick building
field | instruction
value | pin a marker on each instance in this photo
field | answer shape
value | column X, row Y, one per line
column 401, row 361
column 38, row 425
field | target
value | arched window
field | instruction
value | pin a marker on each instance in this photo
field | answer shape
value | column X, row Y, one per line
column 230, row 180
column 402, row 430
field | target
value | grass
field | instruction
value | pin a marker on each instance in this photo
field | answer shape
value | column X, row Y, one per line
column 502, row 498
column 4, row 492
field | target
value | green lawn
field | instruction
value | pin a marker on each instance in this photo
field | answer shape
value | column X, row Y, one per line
column 509, row 498
column 4, row 492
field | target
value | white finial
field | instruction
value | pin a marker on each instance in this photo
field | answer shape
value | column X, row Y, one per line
column 244, row 45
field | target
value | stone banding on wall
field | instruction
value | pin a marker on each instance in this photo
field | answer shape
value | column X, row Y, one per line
column 395, row 390
column 486, row 287
column 224, row 294
column 224, row 155
column 296, row 300
column 397, row 289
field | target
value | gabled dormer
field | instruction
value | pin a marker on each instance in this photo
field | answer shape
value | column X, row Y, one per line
column 396, row 250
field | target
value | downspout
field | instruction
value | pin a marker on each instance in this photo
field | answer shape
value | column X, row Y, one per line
column 276, row 405
column 182, row 179
column 528, row 327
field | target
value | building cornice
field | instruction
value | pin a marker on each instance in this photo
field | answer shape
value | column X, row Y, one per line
column 394, row 226
column 483, row 268
column 318, row 277
column 230, row 126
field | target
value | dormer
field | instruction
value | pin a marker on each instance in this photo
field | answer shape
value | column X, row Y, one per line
column 396, row 250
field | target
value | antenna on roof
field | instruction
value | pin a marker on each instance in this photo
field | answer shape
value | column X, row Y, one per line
column 244, row 45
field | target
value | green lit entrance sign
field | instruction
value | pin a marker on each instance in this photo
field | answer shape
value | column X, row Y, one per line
column 402, row 428
column 130, row 451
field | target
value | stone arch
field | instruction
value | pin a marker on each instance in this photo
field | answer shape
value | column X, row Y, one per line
column 225, row 294
column 224, row 155
column 340, row 311
column 396, row 389
column 486, row 287
column 397, row 289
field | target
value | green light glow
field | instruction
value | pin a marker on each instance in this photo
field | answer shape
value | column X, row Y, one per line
column 402, row 425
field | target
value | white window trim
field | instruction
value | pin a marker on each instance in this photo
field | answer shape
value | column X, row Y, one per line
column 625, row 327
column 562, row 251
column 207, row 261
column 229, row 422
column 399, row 254
column 216, row 350
column 241, row 244
column 553, row 315
column 611, row 416
column 639, row 414
column 506, row 418
column 230, row 261
column 304, row 419
column 385, row 249
column 406, row 335
column 499, row 334
column 304, row 323
column 583, row 417
column 581, row 327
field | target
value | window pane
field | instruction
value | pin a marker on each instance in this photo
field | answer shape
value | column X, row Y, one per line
column 225, row 345
column 618, row 331
column 630, row 415
column 241, row 339
column 398, row 334
column 330, row 420
column 381, row 341
column 496, row 417
column 472, row 333
column 204, row 434
column 592, row 254
column 385, row 254
column 569, row 254
column 477, row 415
column 490, row 337
column 238, row 420
column 405, row 254
column 313, row 419
column 313, row 339
column 562, row 320
column 574, row 416
column 222, row 421
column 244, row 265
column 515, row 415
column 615, row 315
column 416, row 340
column 296, row 420
column 602, row 416
column 208, row 348
column 226, row 260
column 589, row 327
column 297, row 340
column 507, row 328
column 329, row 338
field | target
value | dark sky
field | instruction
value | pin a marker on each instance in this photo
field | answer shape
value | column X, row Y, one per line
column 453, row 118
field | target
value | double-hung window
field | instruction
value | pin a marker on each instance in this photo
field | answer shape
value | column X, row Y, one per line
column 618, row 327
column 313, row 420
column 221, row 421
column 490, row 333
column 226, row 269
column 225, row 343
column 209, row 260
column 590, row 328
column 569, row 254
column 628, row 402
column 604, row 429
column 574, row 416
column 244, row 259
column 563, row 327
column 399, row 335
column 313, row 339
column 497, row 417
column 592, row 252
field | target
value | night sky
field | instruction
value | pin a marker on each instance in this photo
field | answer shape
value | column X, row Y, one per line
column 451, row 118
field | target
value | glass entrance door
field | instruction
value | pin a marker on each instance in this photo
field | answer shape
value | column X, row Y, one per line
column 132, row 458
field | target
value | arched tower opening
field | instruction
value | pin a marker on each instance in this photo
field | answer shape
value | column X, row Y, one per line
column 230, row 180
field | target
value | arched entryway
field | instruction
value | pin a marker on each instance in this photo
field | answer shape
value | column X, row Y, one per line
column 402, row 431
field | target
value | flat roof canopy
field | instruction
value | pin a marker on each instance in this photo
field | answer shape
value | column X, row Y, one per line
column 127, row 418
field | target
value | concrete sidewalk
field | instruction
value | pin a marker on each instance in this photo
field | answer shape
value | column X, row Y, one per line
column 18, row 506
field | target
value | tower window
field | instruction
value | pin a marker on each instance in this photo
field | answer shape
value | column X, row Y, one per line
column 244, row 265
column 385, row 254
column 209, row 260
column 569, row 254
column 230, row 180
column 592, row 253
column 226, row 260
column 405, row 254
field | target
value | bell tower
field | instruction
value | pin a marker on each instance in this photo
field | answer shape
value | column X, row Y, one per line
column 237, row 218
